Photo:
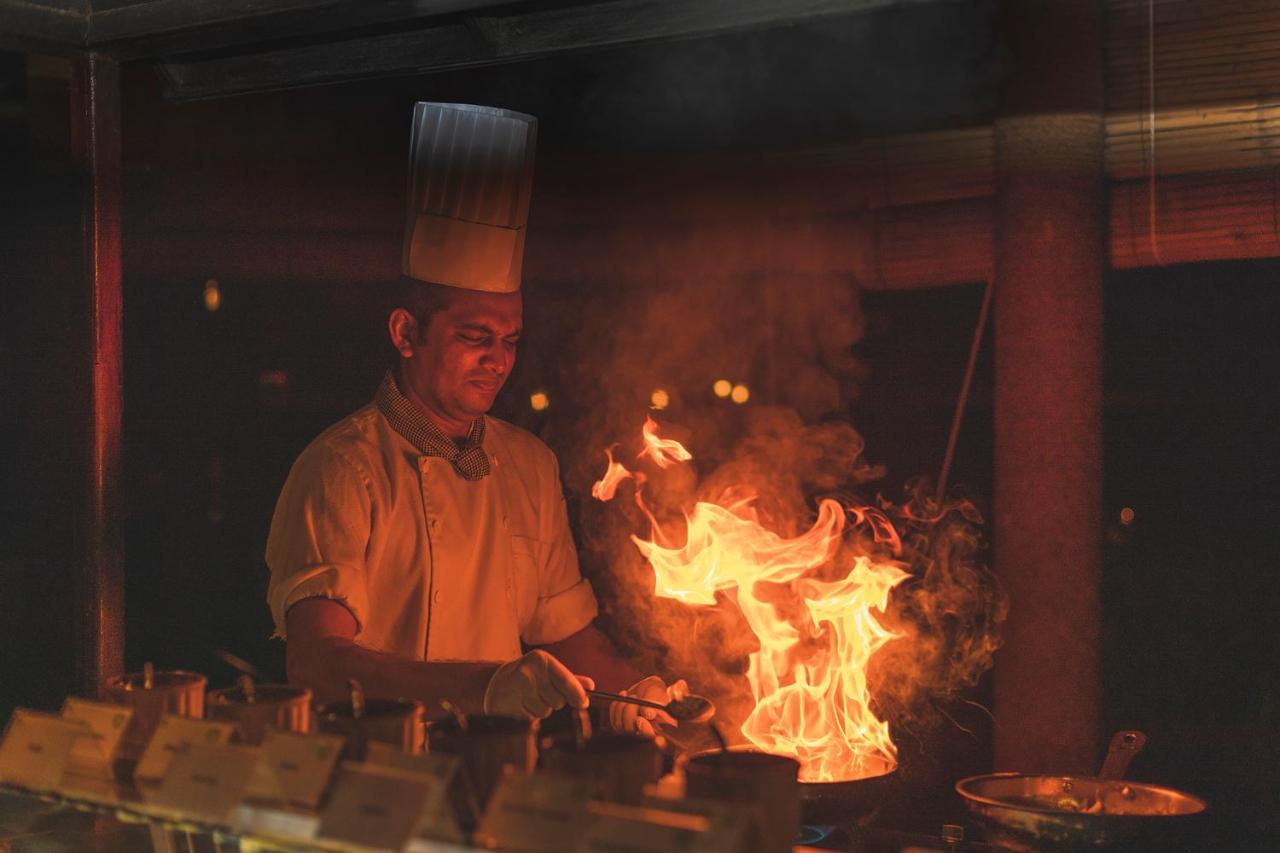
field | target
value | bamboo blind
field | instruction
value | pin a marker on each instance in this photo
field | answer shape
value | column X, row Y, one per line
column 1192, row 86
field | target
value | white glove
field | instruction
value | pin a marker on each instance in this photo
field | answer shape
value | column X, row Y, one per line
column 534, row 686
column 634, row 718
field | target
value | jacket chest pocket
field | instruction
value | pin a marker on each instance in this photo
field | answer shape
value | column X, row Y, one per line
column 522, row 583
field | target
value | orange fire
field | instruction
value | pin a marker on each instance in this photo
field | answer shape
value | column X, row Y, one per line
column 816, row 635
column 606, row 486
column 664, row 451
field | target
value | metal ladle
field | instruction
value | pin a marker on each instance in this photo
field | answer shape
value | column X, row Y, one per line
column 689, row 709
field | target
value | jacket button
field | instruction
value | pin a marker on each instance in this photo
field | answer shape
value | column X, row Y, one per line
column 435, row 597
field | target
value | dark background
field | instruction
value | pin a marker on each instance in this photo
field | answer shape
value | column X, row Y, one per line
column 217, row 404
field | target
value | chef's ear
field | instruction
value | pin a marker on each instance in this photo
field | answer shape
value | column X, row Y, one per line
column 403, row 329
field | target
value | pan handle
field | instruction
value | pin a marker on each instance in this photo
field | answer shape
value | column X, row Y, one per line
column 1125, row 744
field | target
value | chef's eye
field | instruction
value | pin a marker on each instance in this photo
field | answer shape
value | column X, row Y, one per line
column 474, row 340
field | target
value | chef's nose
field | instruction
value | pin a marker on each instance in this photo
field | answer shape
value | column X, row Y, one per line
column 498, row 358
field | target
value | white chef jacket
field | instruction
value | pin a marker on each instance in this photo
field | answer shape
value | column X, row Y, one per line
column 431, row 565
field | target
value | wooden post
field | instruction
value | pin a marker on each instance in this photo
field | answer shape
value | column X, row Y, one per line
column 1049, row 262
column 99, row 584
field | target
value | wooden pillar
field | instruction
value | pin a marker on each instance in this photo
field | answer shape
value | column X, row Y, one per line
column 99, row 582
column 1049, row 264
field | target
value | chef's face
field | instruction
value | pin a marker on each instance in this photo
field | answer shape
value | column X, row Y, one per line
column 457, row 365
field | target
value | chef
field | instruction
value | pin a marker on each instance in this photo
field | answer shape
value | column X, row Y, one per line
column 421, row 546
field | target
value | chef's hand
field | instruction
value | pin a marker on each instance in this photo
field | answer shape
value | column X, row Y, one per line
column 634, row 718
column 534, row 686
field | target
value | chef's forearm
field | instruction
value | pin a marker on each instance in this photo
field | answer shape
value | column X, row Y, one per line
column 589, row 652
column 329, row 662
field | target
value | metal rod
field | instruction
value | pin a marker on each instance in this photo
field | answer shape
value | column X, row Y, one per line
column 99, row 581
column 962, row 403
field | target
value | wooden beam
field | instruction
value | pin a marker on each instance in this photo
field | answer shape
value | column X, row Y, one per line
column 155, row 28
column 99, row 583
column 48, row 27
column 490, row 40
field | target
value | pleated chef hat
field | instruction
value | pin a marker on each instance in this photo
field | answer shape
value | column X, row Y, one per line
column 470, row 176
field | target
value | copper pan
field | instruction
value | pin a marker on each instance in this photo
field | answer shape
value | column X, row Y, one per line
column 1026, row 812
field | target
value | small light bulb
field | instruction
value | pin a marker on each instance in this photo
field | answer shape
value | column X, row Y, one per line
column 740, row 394
column 659, row 399
column 722, row 387
column 1127, row 515
column 212, row 295
column 539, row 401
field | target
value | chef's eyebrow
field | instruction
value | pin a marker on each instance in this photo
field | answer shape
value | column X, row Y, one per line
column 488, row 330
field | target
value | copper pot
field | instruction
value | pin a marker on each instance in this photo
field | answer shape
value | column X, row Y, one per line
column 397, row 722
column 764, row 783
column 618, row 765
column 487, row 745
column 254, row 707
column 151, row 695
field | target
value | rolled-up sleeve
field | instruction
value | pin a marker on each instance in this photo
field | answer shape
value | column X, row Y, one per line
column 319, row 536
column 566, row 603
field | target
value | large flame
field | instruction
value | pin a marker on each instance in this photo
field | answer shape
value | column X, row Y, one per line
column 816, row 635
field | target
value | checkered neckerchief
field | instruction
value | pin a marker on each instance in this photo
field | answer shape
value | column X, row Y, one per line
column 469, row 459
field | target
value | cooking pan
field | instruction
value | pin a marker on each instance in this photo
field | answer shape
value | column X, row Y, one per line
column 1026, row 812
column 837, row 803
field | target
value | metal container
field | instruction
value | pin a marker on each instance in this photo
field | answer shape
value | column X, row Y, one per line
column 767, row 784
column 849, row 801
column 397, row 722
column 1027, row 812
column 487, row 745
column 255, row 707
column 151, row 695
column 619, row 765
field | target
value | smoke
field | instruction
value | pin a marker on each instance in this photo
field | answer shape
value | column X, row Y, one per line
column 789, row 339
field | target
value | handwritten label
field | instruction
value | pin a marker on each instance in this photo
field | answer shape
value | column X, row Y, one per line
column 94, row 752
column 36, row 749
column 729, row 824
column 534, row 813
column 175, row 736
column 613, row 828
column 449, row 804
column 205, row 782
column 294, row 769
column 374, row 806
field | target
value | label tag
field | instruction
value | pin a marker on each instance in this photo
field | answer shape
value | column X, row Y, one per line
column 535, row 812
column 449, row 806
column 176, row 735
column 94, row 753
column 729, row 824
column 374, row 806
column 294, row 769
column 205, row 782
column 37, row 747
column 613, row 828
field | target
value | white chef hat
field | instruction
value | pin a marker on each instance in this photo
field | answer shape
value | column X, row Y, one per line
column 470, row 176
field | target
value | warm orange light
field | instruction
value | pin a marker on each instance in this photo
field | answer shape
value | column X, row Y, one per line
column 809, row 677
column 659, row 399
column 212, row 295
column 810, row 603
column 539, row 401
column 740, row 394
column 722, row 387
column 1127, row 515
column 664, row 451
column 606, row 486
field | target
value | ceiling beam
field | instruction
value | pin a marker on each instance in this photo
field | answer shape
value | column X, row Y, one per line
column 166, row 28
column 50, row 27
column 492, row 39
